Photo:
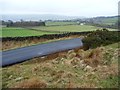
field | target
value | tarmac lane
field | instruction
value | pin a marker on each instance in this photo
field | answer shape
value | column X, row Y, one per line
column 18, row 55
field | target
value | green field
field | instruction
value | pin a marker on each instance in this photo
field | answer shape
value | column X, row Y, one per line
column 59, row 23
column 70, row 28
column 20, row 32
column 110, row 21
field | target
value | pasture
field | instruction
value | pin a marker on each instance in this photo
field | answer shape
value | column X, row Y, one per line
column 60, row 23
column 69, row 28
column 20, row 32
column 110, row 21
column 50, row 28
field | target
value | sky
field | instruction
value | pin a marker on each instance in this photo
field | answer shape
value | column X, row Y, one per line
column 87, row 8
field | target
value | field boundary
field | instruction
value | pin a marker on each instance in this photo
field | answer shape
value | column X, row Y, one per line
column 50, row 36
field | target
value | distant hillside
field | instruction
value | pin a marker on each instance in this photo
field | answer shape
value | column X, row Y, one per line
column 35, row 17
column 111, row 20
column 105, row 20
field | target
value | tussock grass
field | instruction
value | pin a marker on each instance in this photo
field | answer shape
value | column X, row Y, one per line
column 86, row 70
column 31, row 83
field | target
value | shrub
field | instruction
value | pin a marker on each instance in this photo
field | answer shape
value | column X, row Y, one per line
column 101, row 37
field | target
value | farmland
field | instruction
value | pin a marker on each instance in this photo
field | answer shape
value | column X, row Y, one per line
column 60, row 23
column 70, row 28
column 50, row 28
column 20, row 32
column 109, row 21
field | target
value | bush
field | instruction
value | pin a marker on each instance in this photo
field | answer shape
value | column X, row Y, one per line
column 101, row 37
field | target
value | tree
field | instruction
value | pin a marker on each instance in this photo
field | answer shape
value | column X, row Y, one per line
column 10, row 23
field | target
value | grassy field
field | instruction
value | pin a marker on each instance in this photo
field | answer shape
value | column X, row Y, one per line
column 70, row 28
column 59, row 23
column 110, row 21
column 20, row 32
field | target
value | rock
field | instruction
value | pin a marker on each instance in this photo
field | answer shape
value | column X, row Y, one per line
column 62, row 59
column 43, row 57
column 88, row 68
column 67, row 62
column 81, row 62
column 82, row 66
column 10, row 76
column 75, row 61
column 57, row 59
column 104, row 66
column 19, row 78
column 55, row 62
column 70, row 51
column 93, row 73
column 70, row 56
column 75, row 66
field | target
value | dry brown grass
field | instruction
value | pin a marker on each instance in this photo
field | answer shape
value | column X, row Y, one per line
column 6, row 45
column 58, row 75
column 95, row 57
column 75, row 61
column 31, row 83
column 108, row 71
column 16, row 44
column 61, row 71
column 70, row 85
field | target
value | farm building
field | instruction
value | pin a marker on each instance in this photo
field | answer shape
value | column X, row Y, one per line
column 25, row 23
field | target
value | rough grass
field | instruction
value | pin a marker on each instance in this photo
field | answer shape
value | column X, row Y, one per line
column 6, row 45
column 31, row 83
column 79, row 68
column 67, row 69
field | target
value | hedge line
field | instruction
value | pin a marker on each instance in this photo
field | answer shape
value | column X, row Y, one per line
column 50, row 36
column 101, row 38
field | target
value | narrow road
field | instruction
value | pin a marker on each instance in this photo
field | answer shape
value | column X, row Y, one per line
column 26, row 53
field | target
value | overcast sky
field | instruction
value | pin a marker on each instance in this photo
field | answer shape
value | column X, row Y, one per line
column 87, row 8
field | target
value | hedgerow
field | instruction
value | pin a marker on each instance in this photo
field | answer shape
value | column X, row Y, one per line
column 101, row 38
